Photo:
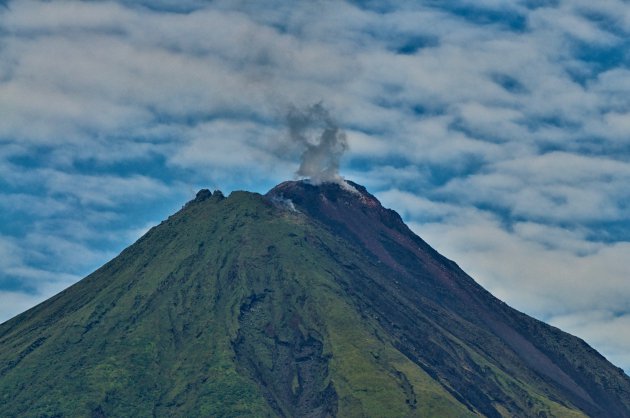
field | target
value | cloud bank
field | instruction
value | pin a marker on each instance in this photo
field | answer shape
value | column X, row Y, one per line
column 498, row 129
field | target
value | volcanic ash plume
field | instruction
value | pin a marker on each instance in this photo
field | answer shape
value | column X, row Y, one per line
column 323, row 141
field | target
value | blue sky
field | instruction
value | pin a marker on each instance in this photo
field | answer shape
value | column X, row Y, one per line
column 500, row 130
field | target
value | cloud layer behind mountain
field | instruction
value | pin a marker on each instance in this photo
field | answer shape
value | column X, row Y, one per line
column 500, row 130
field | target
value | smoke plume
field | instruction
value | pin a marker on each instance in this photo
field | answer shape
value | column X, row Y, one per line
column 315, row 131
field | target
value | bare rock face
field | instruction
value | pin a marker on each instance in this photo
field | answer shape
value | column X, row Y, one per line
column 310, row 301
column 202, row 195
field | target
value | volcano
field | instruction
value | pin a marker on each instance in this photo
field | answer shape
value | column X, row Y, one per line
column 309, row 301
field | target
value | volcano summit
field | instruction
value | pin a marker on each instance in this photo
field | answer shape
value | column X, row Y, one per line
column 309, row 301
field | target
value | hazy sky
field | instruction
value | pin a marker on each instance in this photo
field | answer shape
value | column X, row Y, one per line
column 500, row 130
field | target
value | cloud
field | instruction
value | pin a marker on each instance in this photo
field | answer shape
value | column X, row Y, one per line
column 556, row 186
column 572, row 25
column 495, row 128
column 14, row 262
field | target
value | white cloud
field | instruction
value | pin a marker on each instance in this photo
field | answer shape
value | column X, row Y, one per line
column 556, row 186
column 444, row 115
column 568, row 22
column 14, row 265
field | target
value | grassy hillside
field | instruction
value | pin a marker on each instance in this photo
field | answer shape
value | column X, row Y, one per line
column 199, row 318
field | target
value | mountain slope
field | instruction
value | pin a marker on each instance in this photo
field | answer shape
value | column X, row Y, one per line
column 440, row 299
column 310, row 301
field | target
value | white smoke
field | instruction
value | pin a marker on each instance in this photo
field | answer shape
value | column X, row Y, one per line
column 284, row 203
column 313, row 129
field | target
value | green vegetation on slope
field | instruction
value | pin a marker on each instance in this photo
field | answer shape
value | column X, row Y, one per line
column 154, row 331
column 234, row 307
